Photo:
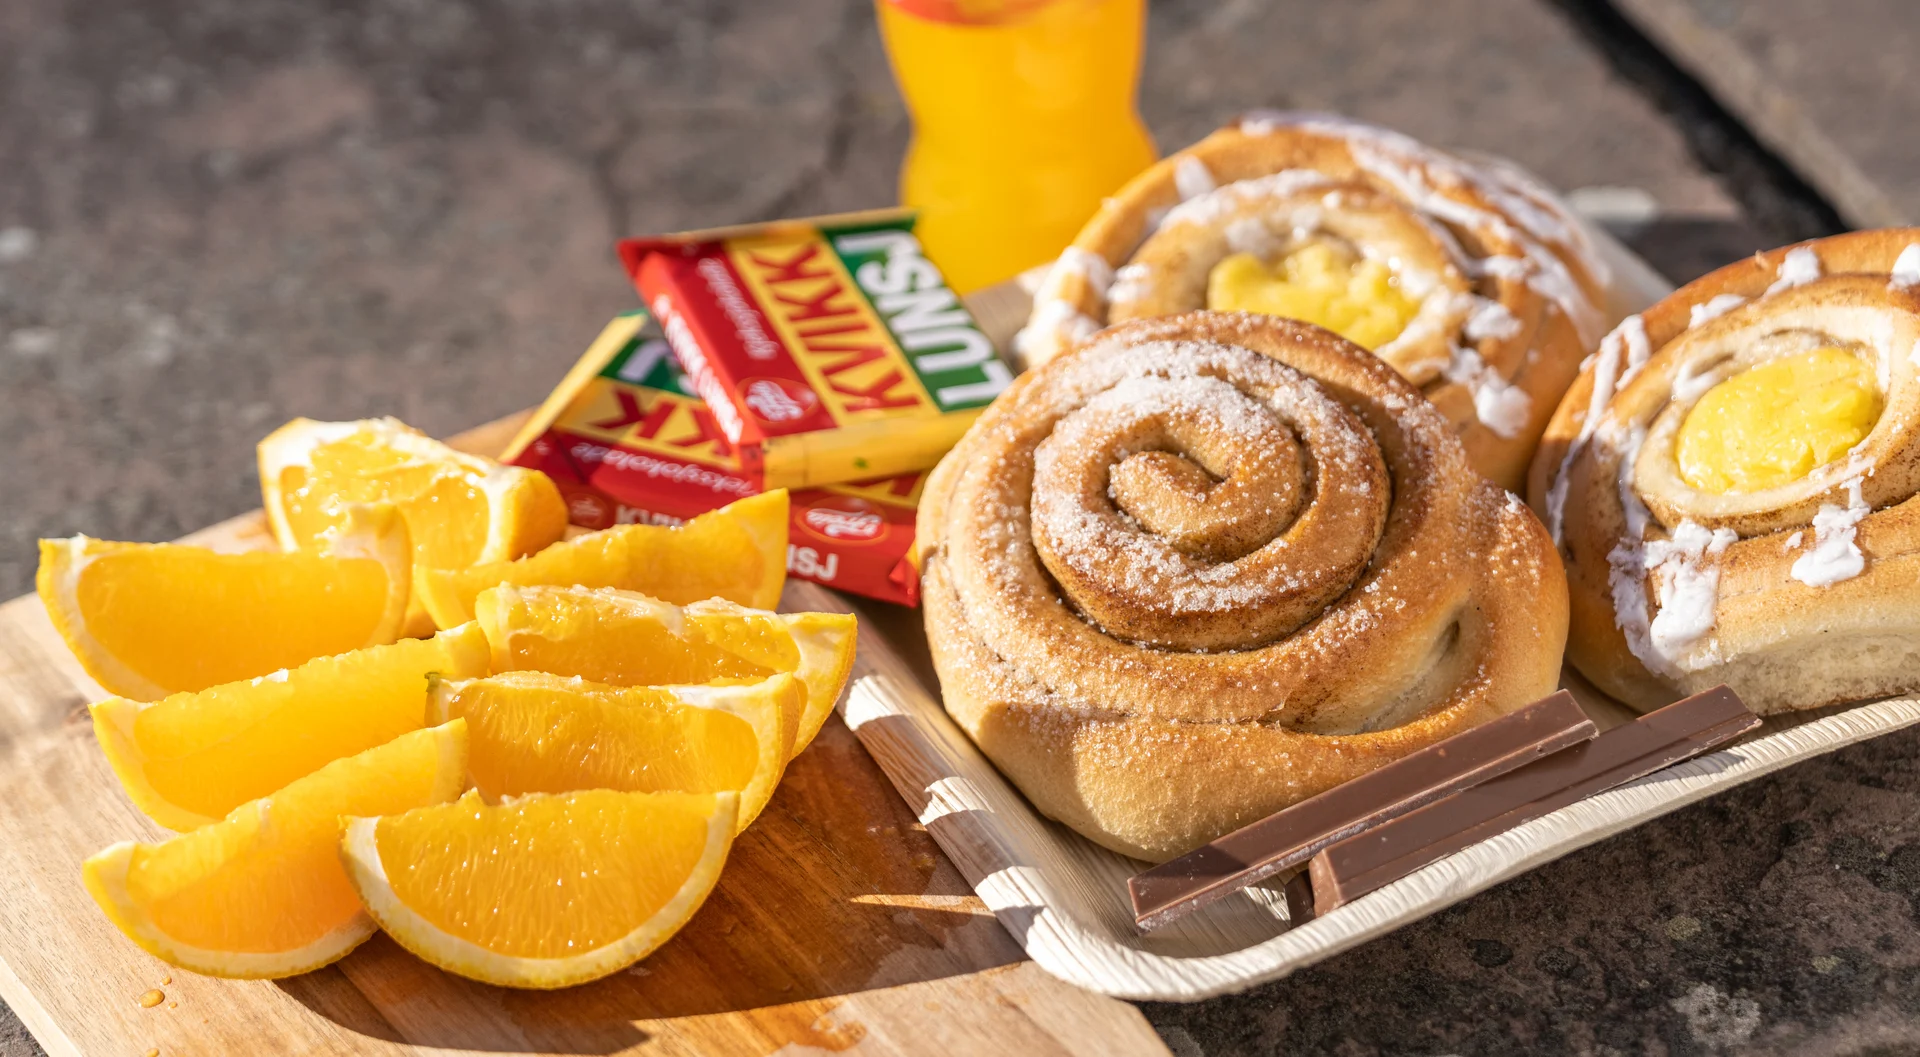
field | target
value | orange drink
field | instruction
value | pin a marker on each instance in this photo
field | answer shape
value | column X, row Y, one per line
column 1024, row 119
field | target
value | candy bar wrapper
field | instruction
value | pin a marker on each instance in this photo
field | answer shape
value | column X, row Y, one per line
column 827, row 350
column 628, row 443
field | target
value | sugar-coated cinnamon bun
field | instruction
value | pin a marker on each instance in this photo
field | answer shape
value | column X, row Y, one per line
column 1209, row 565
column 1732, row 483
column 1467, row 277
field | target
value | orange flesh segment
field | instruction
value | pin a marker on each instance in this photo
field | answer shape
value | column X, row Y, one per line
column 197, row 619
column 631, row 855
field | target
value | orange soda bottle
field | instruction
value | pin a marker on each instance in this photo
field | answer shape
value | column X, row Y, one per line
column 1023, row 119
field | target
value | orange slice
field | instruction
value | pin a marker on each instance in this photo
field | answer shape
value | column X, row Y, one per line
column 151, row 619
column 628, row 639
column 460, row 509
column 263, row 894
column 546, row 891
column 537, row 733
column 738, row 553
column 189, row 759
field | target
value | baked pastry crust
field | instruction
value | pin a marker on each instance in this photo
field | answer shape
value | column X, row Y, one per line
column 1509, row 288
column 1797, row 596
column 1209, row 565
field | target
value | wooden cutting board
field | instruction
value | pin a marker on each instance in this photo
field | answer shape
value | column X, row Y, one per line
column 838, row 926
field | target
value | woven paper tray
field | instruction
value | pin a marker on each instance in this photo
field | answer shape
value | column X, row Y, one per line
column 1064, row 898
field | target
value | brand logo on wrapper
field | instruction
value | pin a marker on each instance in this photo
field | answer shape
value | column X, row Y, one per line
column 585, row 508
column 810, row 564
column 845, row 519
column 778, row 399
column 953, row 358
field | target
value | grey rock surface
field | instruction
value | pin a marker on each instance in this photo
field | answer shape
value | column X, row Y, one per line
column 215, row 216
column 1832, row 87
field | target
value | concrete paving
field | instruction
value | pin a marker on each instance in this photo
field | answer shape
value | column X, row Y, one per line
column 1832, row 87
column 215, row 216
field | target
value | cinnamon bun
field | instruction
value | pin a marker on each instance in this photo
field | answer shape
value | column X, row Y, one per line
column 1208, row 565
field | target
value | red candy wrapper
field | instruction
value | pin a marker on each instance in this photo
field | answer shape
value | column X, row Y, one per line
column 627, row 442
column 827, row 350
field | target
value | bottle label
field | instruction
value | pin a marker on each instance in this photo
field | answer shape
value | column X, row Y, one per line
column 970, row 12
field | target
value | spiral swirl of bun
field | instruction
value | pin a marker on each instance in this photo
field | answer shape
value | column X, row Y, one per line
column 1799, row 594
column 1212, row 564
column 1507, row 288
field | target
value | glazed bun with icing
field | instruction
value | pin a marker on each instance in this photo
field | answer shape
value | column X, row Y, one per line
column 1467, row 277
column 1732, row 483
column 1209, row 565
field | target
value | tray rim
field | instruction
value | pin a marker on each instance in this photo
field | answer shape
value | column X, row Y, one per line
column 964, row 803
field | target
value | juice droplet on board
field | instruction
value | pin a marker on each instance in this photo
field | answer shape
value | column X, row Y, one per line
column 165, row 980
column 154, row 1052
column 150, row 999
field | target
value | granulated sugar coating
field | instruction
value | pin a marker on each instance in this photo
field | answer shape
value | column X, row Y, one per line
column 1212, row 564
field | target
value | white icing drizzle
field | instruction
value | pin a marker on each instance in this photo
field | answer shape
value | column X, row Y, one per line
column 1633, row 331
column 1626, row 562
column 1131, row 282
column 1192, row 178
column 1688, row 589
column 1691, row 383
column 1512, row 269
column 1087, row 265
column 1794, row 540
column 1798, row 268
column 1250, row 235
column 1499, row 406
column 1713, row 308
column 1056, row 318
column 1628, row 341
column 1906, row 268
column 1374, row 150
column 1261, row 124
column 1835, row 555
column 1490, row 321
column 1217, row 203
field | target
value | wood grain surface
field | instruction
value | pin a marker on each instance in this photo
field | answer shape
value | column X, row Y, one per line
column 838, row 926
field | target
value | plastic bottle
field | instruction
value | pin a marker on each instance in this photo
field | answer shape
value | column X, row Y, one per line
column 1024, row 118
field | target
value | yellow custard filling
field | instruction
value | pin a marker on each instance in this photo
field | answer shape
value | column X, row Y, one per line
column 1773, row 424
column 1355, row 297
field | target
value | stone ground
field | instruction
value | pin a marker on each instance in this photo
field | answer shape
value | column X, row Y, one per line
column 1832, row 87
column 217, row 215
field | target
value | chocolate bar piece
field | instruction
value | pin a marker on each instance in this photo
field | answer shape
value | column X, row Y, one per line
column 1288, row 838
column 1351, row 868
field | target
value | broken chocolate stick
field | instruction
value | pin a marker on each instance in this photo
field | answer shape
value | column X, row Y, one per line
column 1290, row 837
column 1347, row 870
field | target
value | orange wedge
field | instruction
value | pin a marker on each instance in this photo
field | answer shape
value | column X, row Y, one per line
column 537, row 733
column 460, row 509
column 738, row 553
column 151, row 619
column 628, row 639
column 189, row 759
column 263, row 894
column 546, row 891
